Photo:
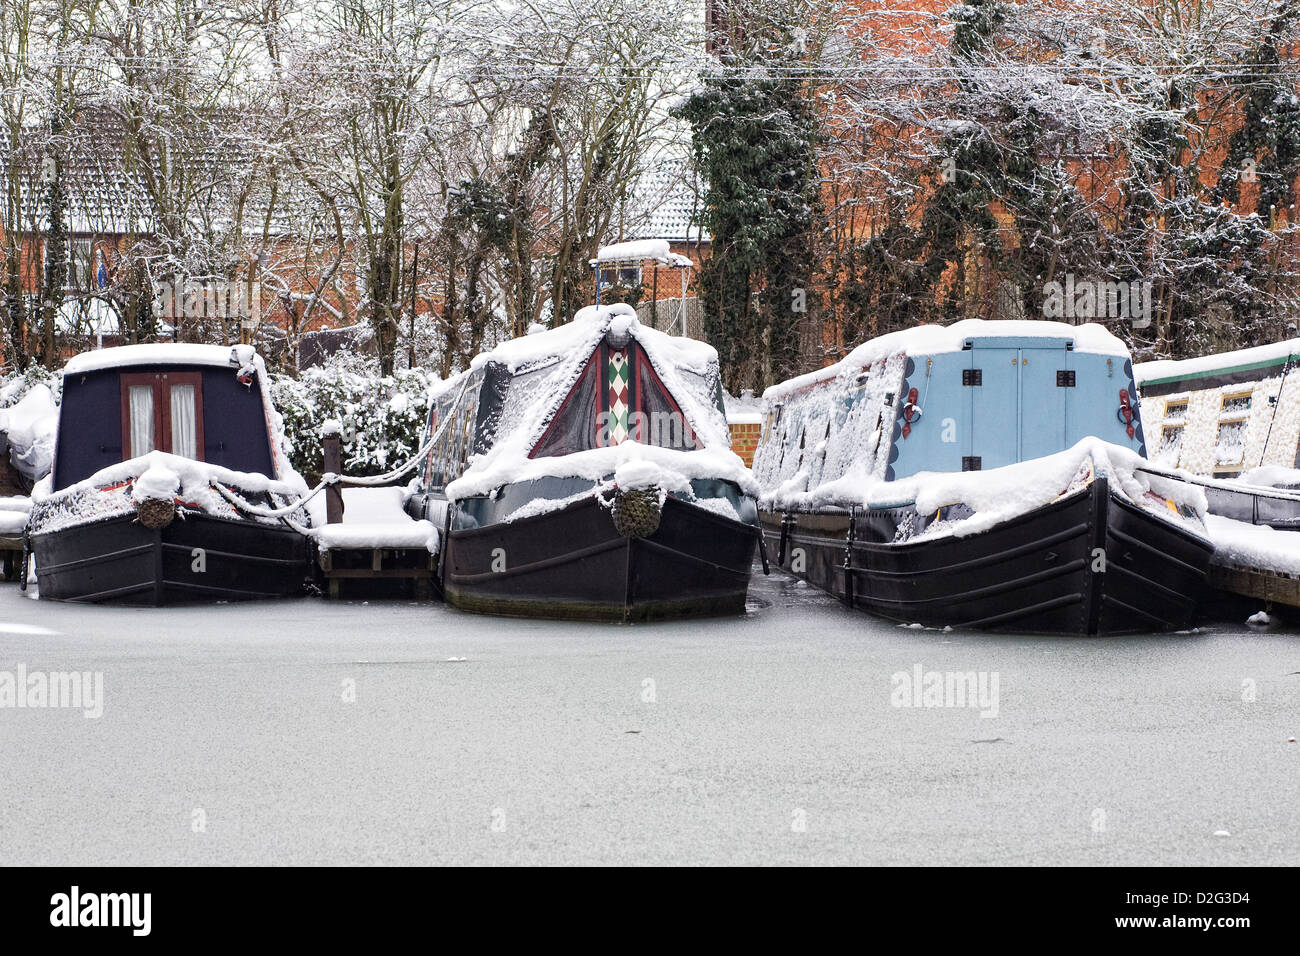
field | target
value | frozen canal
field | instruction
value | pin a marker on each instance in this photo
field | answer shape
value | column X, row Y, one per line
column 230, row 735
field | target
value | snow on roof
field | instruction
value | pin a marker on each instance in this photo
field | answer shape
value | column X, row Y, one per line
column 164, row 353
column 639, row 250
column 1167, row 370
column 937, row 339
column 103, row 194
column 665, row 201
column 685, row 366
column 107, row 194
column 635, row 251
column 579, row 337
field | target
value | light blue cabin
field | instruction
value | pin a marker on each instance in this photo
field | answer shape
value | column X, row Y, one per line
column 1006, row 399
column 972, row 396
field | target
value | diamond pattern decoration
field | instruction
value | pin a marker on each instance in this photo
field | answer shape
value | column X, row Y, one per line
column 618, row 396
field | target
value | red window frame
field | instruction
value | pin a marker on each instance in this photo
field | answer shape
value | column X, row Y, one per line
column 161, row 383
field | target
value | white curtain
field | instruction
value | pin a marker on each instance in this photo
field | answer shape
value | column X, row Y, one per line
column 184, row 431
column 141, row 402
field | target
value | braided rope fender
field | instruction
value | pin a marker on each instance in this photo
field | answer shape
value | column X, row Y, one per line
column 155, row 513
column 636, row 512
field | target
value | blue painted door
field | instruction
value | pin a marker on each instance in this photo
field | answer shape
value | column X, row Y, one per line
column 994, row 431
column 1019, row 411
column 1042, row 402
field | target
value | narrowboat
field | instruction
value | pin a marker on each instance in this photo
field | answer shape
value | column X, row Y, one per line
column 1231, row 423
column 987, row 474
column 586, row 472
column 164, row 455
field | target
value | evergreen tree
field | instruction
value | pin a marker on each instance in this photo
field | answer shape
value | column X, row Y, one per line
column 754, row 135
column 55, row 279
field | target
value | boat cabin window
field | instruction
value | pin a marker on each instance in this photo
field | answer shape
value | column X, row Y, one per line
column 1171, row 444
column 448, row 457
column 1235, row 404
column 162, row 411
column 832, row 427
column 1231, row 446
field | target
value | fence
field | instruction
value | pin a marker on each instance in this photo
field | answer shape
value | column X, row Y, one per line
column 667, row 315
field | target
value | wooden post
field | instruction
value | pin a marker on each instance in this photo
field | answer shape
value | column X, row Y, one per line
column 654, row 299
column 410, row 344
column 331, row 440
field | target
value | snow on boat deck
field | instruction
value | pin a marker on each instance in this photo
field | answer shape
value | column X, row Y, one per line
column 14, row 513
column 373, row 518
column 1254, row 546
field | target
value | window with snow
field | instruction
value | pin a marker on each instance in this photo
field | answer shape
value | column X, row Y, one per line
column 1175, row 411
column 162, row 411
column 1235, row 404
column 1171, row 444
column 1231, row 446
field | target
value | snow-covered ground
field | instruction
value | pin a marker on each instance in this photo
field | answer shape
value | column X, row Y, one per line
column 769, row 738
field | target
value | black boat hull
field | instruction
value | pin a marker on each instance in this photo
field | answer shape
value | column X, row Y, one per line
column 194, row 559
column 1091, row 563
column 573, row 563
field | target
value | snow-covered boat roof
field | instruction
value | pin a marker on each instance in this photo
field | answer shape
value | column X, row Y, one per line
column 1261, row 356
column 163, row 353
column 549, row 363
column 937, row 339
column 242, row 431
column 581, row 335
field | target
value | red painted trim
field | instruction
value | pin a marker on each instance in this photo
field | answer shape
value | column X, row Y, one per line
column 140, row 380
column 559, row 412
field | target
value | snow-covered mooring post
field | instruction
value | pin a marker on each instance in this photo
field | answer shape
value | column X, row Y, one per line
column 331, row 440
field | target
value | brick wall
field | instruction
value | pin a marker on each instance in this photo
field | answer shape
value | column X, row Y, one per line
column 744, row 440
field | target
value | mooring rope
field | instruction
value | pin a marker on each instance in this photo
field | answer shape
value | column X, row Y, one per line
column 327, row 480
